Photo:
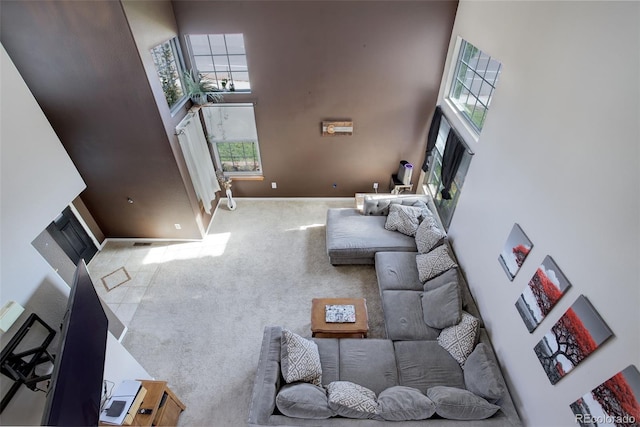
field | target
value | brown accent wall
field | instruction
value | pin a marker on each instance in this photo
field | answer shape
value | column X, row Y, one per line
column 376, row 63
column 81, row 63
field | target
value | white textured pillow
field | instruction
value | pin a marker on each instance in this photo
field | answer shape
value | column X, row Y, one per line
column 404, row 219
column 428, row 235
column 459, row 340
column 352, row 400
column 300, row 359
column 434, row 263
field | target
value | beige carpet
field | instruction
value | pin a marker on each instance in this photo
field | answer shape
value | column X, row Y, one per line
column 199, row 325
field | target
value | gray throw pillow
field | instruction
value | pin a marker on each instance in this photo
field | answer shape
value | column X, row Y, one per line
column 401, row 403
column 403, row 219
column 352, row 400
column 458, row 404
column 434, row 263
column 299, row 359
column 459, row 340
column 442, row 307
column 303, row 400
column 429, row 235
column 482, row 375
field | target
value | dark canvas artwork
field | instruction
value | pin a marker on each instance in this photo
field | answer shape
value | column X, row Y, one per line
column 614, row 402
column 572, row 339
column 544, row 290
column 515, row 251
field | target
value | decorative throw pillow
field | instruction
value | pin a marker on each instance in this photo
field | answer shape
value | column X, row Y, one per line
column 442, row 307
column 352, row 400
column 303, row 400
column 300, row 359
column 459, row 404
column 401, row 403
column 429, row 235
column 426, row 212
column 403, row 219
column 434, row 263
column 482, row 374
column 459, row 340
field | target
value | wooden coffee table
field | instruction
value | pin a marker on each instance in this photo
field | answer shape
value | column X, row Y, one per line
column 321, row 329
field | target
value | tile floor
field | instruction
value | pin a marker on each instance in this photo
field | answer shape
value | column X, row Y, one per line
column 141, row 264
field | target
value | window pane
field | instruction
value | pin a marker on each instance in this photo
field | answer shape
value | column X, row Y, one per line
column 199, row 44
column 235, row 43
column 238, row 156
column 165, row 60
column 471, row 90
column 204, row 63
column 221, row 63
column 238, row 62
column 222, row 76
column 217, row 44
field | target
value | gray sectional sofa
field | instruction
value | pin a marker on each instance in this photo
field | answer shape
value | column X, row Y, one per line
column 411, row 356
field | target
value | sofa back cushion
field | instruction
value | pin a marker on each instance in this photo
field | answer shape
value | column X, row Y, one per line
column 424, row 364
column 329, row 350
column 379, row 206
column 370, row 363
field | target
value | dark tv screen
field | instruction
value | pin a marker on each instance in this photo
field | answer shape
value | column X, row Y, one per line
column 75, row 391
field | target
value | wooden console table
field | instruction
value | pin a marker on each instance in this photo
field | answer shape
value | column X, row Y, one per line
column 165, row 405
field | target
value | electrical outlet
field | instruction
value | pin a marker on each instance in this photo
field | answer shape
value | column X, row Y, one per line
column 375, row 185
column 177, row 226
column 274, row 185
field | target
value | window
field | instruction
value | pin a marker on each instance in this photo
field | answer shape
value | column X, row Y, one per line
column 221, row 59
column 433, row 178
column 231, row 129
column 474, row 81
column 170, row 66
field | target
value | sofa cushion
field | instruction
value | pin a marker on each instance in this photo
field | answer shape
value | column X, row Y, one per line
column 303, row 400
column 404, row 404
column 482, row 375
column 359, row 358
column 434, row 263
column 404, row 219
column 442, row 307
column 459, row 340
column 457, row 404
column 396, row 271
column 300, row 359
column 429, row 235
column 454, row 275
column 329, row 350
column 424, row 364
column 352, row 400
column 403, row 316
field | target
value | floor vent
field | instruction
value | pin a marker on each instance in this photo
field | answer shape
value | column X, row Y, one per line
column 141, row 244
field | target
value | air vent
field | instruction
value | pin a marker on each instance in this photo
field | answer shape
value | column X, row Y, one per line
column 141, row 244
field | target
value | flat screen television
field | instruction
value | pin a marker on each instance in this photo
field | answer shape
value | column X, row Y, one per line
column 75, row 390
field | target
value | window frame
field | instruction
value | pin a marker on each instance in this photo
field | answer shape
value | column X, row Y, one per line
column 453, row 78
column 228, row 63
column 178, row 58
column 216, row 142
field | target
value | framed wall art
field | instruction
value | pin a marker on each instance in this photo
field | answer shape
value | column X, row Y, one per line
column 614, row 402
column 515, row 251
column 572, row 339
column 544, row 290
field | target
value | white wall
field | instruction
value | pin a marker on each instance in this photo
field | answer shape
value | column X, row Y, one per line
column 559, row 155
column 37, row 181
